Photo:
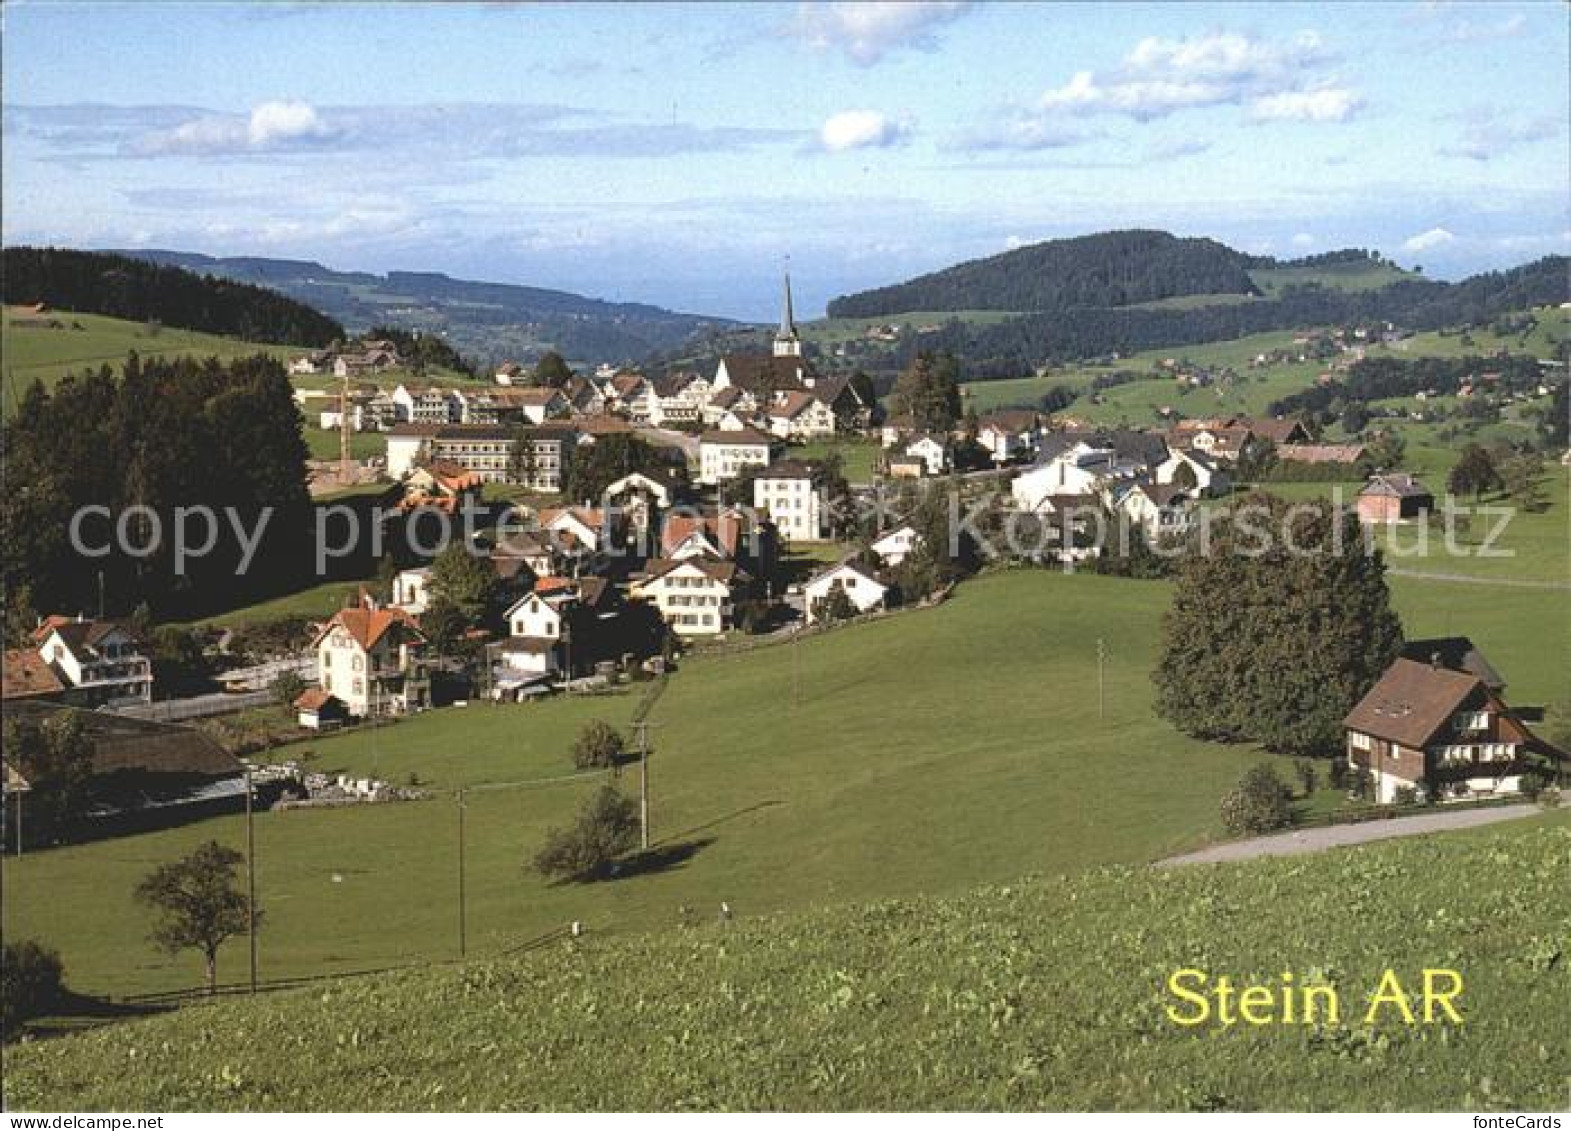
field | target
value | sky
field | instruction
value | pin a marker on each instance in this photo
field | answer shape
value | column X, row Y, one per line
column 684, row 154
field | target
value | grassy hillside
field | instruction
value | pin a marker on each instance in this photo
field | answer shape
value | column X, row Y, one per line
column 1043, row 994
column 48, row 354
column 1352, row 275
column 915, row 762
column 929, row 753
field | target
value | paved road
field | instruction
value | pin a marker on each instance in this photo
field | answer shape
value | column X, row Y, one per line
column 1336, row 836
column 1510, row 582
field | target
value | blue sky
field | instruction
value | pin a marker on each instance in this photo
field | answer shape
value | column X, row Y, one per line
column 677, row 154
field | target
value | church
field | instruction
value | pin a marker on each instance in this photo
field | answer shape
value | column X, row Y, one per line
column 751, row 385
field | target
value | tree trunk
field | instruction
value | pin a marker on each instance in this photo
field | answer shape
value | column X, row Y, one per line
column 212, row 972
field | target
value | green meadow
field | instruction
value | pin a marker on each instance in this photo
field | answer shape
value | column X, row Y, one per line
column 47, row 355
column 921, row 754
column 1040, row 994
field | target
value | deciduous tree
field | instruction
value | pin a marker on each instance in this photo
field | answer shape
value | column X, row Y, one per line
column 198, row 903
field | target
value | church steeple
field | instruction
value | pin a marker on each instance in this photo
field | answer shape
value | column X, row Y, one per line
column 787, row 344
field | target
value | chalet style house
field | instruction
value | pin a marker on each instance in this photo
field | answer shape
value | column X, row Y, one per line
column 372, row 660
column 1440, row 725
column 697, row 595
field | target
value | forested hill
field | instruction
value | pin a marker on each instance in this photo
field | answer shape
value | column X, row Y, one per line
column 1413, row 304
column 1108, row 269
column 487, row 322
column 121, row 287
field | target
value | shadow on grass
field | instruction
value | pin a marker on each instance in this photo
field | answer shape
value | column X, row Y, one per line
column 664, row 857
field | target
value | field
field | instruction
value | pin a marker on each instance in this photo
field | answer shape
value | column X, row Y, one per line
column 1042, row 994
column 49, row 354
column 1361, row 275
column 915, row 762
column 859, row 456
column 884, row 760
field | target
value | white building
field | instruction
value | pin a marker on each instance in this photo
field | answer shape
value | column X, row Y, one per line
column 789, row 494
column 1201, row 471
column 859, row 585
column 894, row 546
column 933, row 454
column 695, row 595
column 534, row 638
column 372, row 660
column 100, row 662
column 724, row 455
column 412, row 590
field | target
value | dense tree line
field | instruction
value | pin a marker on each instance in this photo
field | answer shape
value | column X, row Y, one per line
column 121, row 287
column 1107, row 269
column 424, row 351
column 1070, row 335
column 162, row 435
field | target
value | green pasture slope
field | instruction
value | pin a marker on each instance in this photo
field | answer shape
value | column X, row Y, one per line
column 929, row 752
column 47, row 354
column 1045, row 993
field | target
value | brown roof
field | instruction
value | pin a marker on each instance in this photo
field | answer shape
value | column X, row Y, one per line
column 737, row 436
column 367, row 626
column 1411, row 702
column 25, row 674
column 787, row 469
column 719, row 571
column 82, row 634
column 757, row 372
column 1278, row 431
column 124, row 743
column 1321, row 453
column 1400, row 486
column 1010, row 420
column 724, row 530
column 314, row 699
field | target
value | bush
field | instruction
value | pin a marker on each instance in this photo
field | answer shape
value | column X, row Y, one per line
column 1307, row 777
column 1260, row 803
column 287, row 688
column 1549, row 797
column 598, row 747
column 606, row 827
column 32, row 983
column 1404, row 795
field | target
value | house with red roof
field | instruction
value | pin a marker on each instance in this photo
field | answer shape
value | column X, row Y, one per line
column 373, row 660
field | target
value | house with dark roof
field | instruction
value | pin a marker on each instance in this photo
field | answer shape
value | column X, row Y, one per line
column 1393, row 497
column 1444, row 731
column 141, row 774
column 696, row 596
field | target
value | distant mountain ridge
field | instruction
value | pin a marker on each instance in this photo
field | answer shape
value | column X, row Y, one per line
column 485, row 321
column 1107, row 269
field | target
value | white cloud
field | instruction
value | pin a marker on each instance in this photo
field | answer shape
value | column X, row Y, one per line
column 269, row 127
column 862, row 129
column 1466, row 31
column 1161, row 76
column 1303, row 239
column 868, row 31
column 1326, row 104
column 1428, row 241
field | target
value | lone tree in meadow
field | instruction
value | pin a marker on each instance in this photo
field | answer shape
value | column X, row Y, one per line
column 606, row 828
column 598, row 746
column 1273, row 638
column 198, row 902
column 1474, row 473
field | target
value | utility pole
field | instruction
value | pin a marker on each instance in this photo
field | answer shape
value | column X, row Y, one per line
column 250, row 876
column 796, row 667
column 343, row 429
column 643, row 783
column 463, row 933
column 1101, row 694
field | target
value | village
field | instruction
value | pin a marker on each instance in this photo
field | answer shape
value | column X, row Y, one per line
column 710, row 526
